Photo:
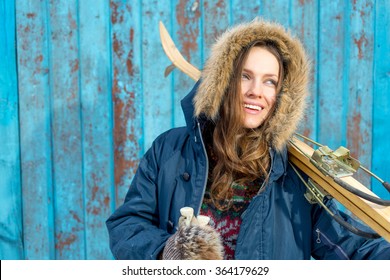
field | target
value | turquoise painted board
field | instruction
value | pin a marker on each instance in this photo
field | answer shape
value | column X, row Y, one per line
column 212, row 28
column 304, row 24
column 96, row 124
column 35, row 129
column 86, row 95
column 64, row 51
column 186, row 31
column 11, row 231
column 381, row 97
column 359, row 88
column 331, row 64
column 127, row 97
column 157, row 101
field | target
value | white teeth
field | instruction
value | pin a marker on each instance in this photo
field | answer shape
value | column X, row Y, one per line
column 254, row 107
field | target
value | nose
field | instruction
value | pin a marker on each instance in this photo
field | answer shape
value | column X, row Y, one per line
column 256, row 89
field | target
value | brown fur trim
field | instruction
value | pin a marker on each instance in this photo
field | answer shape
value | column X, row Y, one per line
column 194, row 243
column 219, row 68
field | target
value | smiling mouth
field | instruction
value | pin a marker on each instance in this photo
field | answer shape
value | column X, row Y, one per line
column 253, row 107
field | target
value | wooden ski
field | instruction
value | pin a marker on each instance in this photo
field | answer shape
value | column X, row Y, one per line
column 375, row 216
column 175, row 56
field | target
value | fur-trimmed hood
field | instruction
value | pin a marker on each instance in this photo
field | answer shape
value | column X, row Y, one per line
column 218, row 71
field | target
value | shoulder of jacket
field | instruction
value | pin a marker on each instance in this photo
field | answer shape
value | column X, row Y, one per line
column 171, row 136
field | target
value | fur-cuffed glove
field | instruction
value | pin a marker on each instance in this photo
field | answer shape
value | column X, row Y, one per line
column 194, row 240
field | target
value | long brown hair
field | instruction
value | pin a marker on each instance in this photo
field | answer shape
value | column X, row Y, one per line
column 242, row 154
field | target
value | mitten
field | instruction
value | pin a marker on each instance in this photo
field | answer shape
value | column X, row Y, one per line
column 194, row 240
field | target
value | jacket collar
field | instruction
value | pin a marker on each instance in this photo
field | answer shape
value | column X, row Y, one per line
column 279, row 163
column 187, row 106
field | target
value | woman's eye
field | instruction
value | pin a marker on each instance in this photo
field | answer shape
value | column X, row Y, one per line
column 271, row 82
column 245, row 76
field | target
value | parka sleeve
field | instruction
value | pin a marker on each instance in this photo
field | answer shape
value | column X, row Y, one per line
column 330, row 240
column 133, row 227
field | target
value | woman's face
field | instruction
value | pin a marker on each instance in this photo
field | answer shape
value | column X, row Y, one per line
column 259, row 79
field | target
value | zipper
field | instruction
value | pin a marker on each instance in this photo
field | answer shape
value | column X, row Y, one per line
column 339, row 251
column 318, row 240
column 207, row 167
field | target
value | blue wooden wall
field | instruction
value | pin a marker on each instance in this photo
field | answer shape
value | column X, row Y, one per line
column 83, row 95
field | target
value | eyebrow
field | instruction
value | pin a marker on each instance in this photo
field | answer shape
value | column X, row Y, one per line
column 267, row 74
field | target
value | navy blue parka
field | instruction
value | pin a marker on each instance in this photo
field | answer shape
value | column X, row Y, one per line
column 278, row 224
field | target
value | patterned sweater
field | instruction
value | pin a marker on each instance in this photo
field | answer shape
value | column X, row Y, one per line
column 228, row 222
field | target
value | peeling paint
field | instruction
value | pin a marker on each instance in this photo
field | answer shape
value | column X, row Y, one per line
column 117, row 46
column 116, row 17
column 74, row 65
column 129, row 63
column 72, row 21
column 31, row 15
column 75, row 216
column 187, row 33
column 39, row 58
column 221, row 4
column 64, row 242
column 123, row 113
column 106, row 201
column 361, row 43
column 354, row 134
column 95, row 190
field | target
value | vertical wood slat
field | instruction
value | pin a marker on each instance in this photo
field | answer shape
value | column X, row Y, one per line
column 304, row 25
column 331, row 116
column 212, row 28
column 187, row 34
column 157, row 101
column 96, row 124
column 11, row 238
column 127, row 96
column 381, row 103
column 360, row 74
column 35, row 129
column 66, row 125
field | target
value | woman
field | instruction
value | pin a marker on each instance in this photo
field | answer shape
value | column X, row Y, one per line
column 230, row 164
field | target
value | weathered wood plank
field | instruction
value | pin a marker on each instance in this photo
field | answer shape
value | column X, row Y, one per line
column 98, row 165
column 127, row 95
column 216, row 18
column 360, row 44
column 331, row 78
column 381, row 95
column 35, row 129
column 11, row 232
column 66, row 133
column 187, row 36
column 157, row 97
column 304, row 25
